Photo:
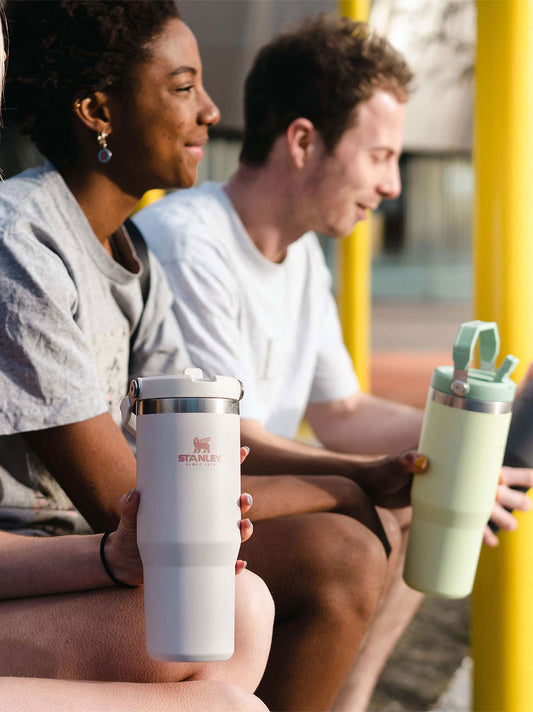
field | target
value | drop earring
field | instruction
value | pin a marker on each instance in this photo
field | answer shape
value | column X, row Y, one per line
column 104, row 154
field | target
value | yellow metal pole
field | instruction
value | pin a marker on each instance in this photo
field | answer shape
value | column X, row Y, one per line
column 354, row 263
column 502, row 607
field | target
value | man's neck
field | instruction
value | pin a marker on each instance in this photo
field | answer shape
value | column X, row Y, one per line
column 265, row 206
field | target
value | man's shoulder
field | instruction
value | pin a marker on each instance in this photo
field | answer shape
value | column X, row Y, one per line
column 179, row 223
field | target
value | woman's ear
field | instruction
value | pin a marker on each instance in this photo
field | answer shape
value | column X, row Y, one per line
column 301, row 137
column 93, row 112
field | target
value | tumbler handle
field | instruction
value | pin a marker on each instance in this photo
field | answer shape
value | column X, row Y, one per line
column 463, row 351
column 129, row 419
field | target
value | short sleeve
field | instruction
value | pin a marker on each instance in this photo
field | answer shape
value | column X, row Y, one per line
column 47, row 374
column 334, row 377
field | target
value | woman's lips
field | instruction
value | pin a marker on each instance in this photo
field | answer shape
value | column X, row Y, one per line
column 196, row 150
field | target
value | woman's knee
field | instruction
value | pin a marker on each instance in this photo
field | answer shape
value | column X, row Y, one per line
column 233, row 698
column 254, row 621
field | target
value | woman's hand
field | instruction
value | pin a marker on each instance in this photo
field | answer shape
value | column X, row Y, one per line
column 121, row 549
column 247, row 527
column 388, row 481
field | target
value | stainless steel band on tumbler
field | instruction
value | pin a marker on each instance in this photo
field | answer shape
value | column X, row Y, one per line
column 478, row 406
column 153, row 406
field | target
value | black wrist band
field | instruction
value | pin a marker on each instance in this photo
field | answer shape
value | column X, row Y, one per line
column 108, row 571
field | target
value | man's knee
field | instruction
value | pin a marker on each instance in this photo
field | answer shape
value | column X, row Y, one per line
column 348, row 567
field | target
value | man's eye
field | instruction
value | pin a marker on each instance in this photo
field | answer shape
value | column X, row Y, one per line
column 188, row 88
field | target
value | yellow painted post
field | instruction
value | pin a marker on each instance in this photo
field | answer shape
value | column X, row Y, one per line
column 502, row 606
column 354, row 264
column 149, row 197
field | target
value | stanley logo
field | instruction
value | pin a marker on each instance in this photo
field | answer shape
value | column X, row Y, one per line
column 201, row 444
column 202, row 453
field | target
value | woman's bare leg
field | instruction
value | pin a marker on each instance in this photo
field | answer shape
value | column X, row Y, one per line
column 326, row 573
column 100, row 636
column 36, row 695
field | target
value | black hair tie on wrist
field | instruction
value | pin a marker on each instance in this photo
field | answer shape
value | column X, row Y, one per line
column 108, row 571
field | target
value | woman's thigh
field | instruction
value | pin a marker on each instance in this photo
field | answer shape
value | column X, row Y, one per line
column 38, row 695
column 99, row 635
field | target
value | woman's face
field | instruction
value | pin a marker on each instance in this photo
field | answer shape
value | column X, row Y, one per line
column 159, row 125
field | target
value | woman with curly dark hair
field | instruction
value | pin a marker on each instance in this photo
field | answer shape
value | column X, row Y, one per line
column 111, row 93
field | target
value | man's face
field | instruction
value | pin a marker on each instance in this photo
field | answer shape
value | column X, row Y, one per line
column 361, row 170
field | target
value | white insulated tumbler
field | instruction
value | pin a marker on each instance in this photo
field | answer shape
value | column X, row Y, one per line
column 188, row 478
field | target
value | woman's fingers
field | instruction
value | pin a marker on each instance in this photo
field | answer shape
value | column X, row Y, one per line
column 129, row 504
column 245, row 502
column 240, row 566
column 247, row 529
column 245, row 451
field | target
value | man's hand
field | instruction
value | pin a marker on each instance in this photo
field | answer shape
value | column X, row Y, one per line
column 388, row 481
column 509, row 499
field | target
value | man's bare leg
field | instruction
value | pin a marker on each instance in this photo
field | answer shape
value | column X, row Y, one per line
column 99, row 636
column 326, row 573
column 396, row 610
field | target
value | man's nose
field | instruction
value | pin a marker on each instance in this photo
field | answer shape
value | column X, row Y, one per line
column 390, row 185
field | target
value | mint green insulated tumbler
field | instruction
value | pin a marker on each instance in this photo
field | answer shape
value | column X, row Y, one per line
column 466, row 422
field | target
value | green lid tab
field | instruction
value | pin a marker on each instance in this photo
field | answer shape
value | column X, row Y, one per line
column 477, row 384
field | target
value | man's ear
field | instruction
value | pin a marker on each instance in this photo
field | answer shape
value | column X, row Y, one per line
column 93, row 112
column 301, row 138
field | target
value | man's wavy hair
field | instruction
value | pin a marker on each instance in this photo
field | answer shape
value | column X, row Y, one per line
column 63, row 50
column 320, row 70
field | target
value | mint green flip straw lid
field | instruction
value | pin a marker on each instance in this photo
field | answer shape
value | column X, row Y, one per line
column 484, row 383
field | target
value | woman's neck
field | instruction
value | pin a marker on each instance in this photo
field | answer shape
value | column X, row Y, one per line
column 103, row 202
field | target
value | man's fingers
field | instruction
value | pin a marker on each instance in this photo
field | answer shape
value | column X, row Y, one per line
column 489, row 537
column 503, row 519
column 517, row 477
column 414, row 462
column 513, row 499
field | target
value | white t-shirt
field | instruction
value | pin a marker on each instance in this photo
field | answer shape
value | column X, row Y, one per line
column 274, row 326
column 67, row 310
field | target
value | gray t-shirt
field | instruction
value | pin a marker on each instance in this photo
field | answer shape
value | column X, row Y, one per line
column 67, row 310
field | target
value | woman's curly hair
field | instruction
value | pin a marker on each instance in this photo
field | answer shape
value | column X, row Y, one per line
column 60, row 50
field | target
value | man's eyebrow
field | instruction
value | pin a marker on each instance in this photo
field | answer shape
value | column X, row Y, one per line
column 183, row 70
